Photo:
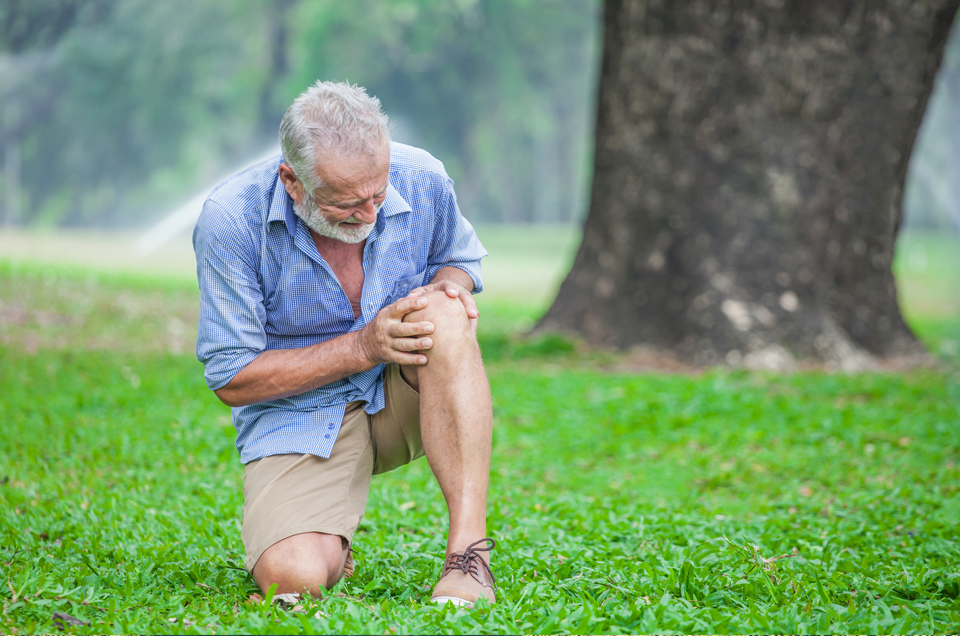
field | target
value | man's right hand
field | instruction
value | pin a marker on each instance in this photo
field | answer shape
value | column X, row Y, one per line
column 387, row 339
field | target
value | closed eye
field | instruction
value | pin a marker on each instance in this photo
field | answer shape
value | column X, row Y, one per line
column 377, row 198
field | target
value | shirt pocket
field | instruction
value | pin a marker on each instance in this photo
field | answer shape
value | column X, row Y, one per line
column 405, row 285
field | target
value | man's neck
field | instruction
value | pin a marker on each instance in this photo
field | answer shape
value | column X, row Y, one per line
column 337, row 250
column 346, row 261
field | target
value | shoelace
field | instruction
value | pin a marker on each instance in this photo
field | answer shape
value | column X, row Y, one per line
column 467, row 561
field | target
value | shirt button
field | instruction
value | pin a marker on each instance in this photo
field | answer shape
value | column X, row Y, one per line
column 371, row 306
column 330, row 426
column 327, row 436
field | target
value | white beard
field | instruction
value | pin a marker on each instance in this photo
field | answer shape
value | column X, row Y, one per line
column 348, row 231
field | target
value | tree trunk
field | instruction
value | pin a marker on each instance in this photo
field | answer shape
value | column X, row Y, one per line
column 750, row 159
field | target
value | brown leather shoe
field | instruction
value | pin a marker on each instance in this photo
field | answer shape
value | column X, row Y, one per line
column 466, row 577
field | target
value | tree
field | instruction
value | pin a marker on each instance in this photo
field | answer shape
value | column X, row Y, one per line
column 112, row 111
column 107, row 106
column 749, row 164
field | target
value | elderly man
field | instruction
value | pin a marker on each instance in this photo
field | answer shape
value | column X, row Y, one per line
column 337, row 321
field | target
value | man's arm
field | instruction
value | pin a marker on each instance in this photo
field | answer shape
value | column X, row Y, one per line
column 281, row 373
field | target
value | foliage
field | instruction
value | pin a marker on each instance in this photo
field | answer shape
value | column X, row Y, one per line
column 130, row 96
column 500, row 90
column 117, row 110
column 620, row 503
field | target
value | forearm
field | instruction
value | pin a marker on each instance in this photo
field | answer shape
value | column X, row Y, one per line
column 454, row 274
column 281, row 373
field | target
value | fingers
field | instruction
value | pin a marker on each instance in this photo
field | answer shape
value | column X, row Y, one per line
column 408, row 359
column 470, row 304
column 411, row 344
column 407, row 329
column 406, row 305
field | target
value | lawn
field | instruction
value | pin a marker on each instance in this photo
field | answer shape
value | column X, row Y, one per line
column 620, row 502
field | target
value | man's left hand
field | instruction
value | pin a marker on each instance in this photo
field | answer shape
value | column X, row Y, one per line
column 453, row 290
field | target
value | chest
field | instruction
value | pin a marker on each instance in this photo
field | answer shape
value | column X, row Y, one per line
column 303, row 300
column 346, row 261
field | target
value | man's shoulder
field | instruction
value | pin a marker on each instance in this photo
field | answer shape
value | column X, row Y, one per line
column 248, row 191
column 236, row 208
column 411, row 161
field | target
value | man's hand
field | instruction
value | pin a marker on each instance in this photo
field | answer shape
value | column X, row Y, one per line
column 453, row 290
column 456, row 283
column 388, row 339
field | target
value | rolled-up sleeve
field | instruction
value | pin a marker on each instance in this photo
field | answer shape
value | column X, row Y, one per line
column 231, row 332
column 455, row 242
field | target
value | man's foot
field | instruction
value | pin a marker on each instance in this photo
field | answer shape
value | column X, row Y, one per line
column 466, row 577
column 347, row 568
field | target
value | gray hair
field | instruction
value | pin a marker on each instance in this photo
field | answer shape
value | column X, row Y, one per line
column 327, row 119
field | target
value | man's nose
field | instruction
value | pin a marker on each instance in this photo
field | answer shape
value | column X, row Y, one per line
column 366, row 211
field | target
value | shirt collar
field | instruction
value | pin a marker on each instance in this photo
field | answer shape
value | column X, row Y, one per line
column 281, row 206
column 394, row 203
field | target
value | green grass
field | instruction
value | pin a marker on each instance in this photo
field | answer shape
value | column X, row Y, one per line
column 620, row 503
column 527, row 263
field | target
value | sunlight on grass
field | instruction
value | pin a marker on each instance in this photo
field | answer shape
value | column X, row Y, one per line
column 620, row 503
column 612, row 498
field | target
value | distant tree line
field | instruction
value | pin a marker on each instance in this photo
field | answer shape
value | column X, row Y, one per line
column 113, row 112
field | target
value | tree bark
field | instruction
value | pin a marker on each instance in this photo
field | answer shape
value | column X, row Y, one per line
column 750, row 159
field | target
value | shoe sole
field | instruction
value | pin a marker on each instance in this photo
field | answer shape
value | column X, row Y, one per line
column 459, row 602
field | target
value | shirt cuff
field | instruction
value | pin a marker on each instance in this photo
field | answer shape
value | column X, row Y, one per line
column 219, row 370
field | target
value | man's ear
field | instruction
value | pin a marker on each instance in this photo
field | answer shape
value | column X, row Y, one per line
column 291, row 183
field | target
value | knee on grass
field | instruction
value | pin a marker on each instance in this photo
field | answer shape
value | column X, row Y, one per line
column 309, row 562
column 313, row 577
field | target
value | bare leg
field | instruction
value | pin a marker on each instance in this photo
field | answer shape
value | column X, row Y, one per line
column 302, row 563
column 456, row 417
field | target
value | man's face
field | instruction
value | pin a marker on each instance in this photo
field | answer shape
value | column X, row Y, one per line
column 346, row 207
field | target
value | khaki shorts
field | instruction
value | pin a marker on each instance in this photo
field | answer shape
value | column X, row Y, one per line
column 284, row 495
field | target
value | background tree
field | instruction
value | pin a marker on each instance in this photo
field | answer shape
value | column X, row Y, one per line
column 749, row 164
column 113, row 96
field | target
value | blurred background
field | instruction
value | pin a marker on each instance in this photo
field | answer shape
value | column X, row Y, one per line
column 114, row 112
column 118, row 117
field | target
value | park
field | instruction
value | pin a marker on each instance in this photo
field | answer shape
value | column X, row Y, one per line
column 663, row 462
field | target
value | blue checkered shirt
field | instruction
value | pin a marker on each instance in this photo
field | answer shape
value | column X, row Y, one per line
column 264, row 286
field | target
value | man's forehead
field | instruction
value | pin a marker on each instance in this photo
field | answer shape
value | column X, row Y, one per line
column 346, row 170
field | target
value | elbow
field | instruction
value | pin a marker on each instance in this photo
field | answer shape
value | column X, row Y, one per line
column 230, row 398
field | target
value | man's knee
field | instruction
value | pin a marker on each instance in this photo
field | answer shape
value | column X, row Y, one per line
column 448, row 315
column 301, row 563
column 311, row 578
